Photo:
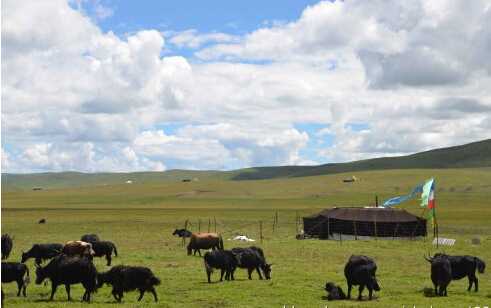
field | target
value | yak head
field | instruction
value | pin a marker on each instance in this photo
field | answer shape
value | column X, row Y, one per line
column 266, row 268
column 436, row 256
column 101, row 278
column 374, row 283
column 24, row 258
column 329, row 287
column 41, row 274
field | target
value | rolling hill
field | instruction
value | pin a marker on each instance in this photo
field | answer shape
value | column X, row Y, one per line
column 472, row 155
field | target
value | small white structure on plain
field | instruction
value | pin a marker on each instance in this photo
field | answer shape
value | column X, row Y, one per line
column 129, row 182
column 444, row 241
column 242, row 238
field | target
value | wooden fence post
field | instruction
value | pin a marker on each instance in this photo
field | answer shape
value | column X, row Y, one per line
column 261, row 230
column 185, row 228
column 296, row 224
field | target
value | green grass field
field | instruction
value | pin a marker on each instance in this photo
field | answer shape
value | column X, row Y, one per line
column 140, row 218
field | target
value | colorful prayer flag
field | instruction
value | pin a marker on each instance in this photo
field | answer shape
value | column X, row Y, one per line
column 403, row 198
column 428, row 199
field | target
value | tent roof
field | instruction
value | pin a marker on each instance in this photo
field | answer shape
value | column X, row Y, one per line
column 378, row 214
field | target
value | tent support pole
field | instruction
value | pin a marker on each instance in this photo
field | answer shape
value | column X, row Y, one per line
column 375, row 224
column 185, row 228
column 354, row 225
column 328, row 228
column 417, row 225
column 395, row 231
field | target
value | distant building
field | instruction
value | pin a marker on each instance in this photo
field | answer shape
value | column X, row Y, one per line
column 351, row 179
column 36, row 188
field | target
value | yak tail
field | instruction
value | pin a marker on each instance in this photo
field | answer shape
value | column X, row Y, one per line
column 28, row 279
column 154, row 281
column 220, row 242
column 208, row 267
column 115, row 250
column 480, row 265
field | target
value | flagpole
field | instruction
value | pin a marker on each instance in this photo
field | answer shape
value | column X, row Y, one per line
column 435, row 234
column 435, row 227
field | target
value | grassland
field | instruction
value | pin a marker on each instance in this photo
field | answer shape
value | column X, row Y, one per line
column 140, row 217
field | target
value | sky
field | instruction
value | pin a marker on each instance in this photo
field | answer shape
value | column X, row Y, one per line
column 127, row 86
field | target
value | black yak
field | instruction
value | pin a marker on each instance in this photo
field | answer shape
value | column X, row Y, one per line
column 7, row 244
column 14, row 271
column 41, row 252
column 360, row 270
column 66, row 270
column 224, row 260
column 465, row 266
column 252, row 258
column 125, row 278
column 441, row 273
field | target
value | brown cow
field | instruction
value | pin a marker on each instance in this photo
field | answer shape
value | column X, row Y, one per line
column 78, row 248
column 204, row 241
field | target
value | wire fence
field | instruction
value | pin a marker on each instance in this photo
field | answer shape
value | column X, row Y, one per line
column 289, row 223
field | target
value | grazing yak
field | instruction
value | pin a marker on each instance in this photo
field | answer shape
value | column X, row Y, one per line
column 183, row 233
column 7, row 244
column 66, row 270
column 204, row 241
column 334, row 292
column 253, row 258
column 125, row 278
column 104, row 248
column 463, row 266
column 441, row 273
column 360, row 270
column 14, row 271
column 89, row 238
column 78, row 248
column 41, row 252
column 224, row 260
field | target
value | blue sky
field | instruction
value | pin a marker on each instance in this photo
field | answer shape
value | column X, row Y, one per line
column 235, row 17
column 122, row 86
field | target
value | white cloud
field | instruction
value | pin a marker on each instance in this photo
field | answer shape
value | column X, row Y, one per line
column 417, row 74
column 191, row 39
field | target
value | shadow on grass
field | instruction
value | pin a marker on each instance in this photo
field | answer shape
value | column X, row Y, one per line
column 363, row 299
column 430, row 292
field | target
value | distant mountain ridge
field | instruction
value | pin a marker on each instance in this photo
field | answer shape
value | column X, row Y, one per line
column 472, row 155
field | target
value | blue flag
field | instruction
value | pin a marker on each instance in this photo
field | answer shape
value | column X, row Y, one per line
column 403, row 198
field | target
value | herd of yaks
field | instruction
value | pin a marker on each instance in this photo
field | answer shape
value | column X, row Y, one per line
column 72, row 264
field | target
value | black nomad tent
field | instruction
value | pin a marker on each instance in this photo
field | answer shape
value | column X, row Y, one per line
column 341, row 223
